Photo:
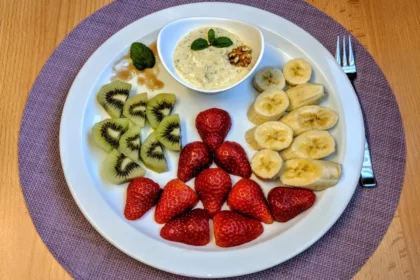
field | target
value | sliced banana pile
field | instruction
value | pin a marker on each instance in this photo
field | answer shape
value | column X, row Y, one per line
column 291, row 134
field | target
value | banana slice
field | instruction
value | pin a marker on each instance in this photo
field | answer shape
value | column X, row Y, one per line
column 310, row 174
column 310, row 118
column 272, row 135
column 269, row 78
column 304, row 95
column 266, row 164
column 269, row 106
column 297, row 71
column 312, row 144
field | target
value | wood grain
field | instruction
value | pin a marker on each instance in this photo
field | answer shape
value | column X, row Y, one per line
column 389, row 29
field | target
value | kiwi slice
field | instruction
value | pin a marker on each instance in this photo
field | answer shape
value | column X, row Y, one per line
column 151, row 153
column 159, row 107
column 130, row 143
column 112, row 97
column 107, row 133
column 135, row 109
column 168, row 133
column 119, row 169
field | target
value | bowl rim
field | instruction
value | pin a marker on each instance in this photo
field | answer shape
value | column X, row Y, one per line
column 209, row 91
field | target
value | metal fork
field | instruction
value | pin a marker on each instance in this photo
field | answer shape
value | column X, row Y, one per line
column 367, row 176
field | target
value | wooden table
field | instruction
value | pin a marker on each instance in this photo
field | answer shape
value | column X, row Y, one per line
column 31, row 30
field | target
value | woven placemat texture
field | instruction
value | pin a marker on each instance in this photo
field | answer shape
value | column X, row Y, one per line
column 85, row 254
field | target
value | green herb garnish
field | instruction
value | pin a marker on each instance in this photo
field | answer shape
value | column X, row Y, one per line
column 222, row 42
column 199, row 44
column 142, row 56
column 219, row 42
column 211, row 35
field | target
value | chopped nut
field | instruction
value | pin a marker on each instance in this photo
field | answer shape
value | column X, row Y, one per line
column 240, row 56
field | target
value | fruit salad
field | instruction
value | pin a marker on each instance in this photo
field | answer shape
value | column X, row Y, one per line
column 290, row 138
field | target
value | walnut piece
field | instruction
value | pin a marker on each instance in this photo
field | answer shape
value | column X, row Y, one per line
column 240, row 56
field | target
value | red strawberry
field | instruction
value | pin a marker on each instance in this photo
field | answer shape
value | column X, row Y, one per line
column 287, row 203
column 176, row 199
column 191, row 228
column 194, row 158
column 142, row 195
column 247, row 197
column 213, row 125
column 213, row 186
column 233, row 229
column 231, row 157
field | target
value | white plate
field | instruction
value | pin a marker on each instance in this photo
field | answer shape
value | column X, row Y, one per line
column 103, row 204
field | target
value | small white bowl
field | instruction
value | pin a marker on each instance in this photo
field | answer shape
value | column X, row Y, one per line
column 171, row 33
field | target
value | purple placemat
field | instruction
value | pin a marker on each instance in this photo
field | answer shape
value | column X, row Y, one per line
column 87, row 255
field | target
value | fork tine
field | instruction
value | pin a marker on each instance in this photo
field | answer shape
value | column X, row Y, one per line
column 344, row 52
column 337, row 51
column 351, row 55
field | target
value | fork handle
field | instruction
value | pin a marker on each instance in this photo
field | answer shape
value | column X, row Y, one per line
column 367, row 176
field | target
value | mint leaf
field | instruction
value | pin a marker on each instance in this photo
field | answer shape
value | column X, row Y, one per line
column 222, row 42
column 211, row 35
column 199, row 44
column 142, row 56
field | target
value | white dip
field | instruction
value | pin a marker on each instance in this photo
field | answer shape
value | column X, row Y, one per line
column 209, row 68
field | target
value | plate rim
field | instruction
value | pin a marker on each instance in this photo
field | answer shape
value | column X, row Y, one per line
column 109, row 233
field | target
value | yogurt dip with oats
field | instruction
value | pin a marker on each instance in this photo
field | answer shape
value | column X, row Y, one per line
column 209, row 68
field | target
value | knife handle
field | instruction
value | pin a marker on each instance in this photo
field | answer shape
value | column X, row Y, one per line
column 367, row 176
